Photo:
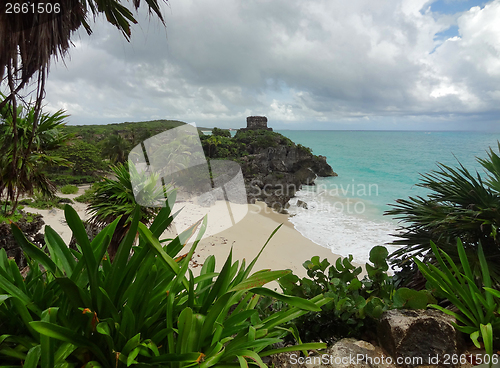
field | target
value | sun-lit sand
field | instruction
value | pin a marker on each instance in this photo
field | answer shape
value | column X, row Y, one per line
column 287, row 249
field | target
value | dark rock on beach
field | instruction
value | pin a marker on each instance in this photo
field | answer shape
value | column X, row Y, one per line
column 30, row 225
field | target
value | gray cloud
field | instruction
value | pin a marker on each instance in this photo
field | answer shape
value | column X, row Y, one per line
column 326, row 63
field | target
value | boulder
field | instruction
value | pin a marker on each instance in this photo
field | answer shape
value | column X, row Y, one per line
column 346, row 353
column 302, row 204
column 414, row 334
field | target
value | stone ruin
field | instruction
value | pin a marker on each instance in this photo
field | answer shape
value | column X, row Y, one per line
column 256, row 123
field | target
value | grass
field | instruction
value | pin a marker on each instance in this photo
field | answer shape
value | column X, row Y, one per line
column 87, row 196
column 45, row 203
column 69, row 189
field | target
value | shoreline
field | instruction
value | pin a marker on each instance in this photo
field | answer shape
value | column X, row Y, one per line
column 287, row 249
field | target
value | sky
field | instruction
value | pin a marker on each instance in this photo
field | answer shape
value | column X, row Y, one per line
column 315, row 64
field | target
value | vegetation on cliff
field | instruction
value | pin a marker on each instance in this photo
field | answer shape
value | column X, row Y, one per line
column 273, row 166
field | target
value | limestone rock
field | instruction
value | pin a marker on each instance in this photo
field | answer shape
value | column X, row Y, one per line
column 411, row 334
column 302, row 204
column 346, row 353
column 274, row 174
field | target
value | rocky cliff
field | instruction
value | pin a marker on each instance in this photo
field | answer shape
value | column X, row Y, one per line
column 273, row 166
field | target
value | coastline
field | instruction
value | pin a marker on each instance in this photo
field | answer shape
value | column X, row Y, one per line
column 287, row 249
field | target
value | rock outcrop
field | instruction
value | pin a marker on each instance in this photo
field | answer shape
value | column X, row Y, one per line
column 273, row 166
column 30, row 225
column 346, row 353
column 414, row 334
column 407, row 339
column 274, row 172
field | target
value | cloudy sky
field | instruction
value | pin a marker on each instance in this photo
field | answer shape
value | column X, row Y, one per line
column 313, row 64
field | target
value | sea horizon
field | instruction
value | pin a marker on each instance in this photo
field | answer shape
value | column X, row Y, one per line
column 391, row 163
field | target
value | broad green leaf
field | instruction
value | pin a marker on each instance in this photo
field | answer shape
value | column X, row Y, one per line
column 291, row 300
column 59, row 251
column 33, row 357
column 32, row 250
column 487, row 335
column 259, row 279
column 307, row 346
column 66, row 334
column 46, row 342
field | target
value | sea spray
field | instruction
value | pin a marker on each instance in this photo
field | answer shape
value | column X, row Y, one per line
column 343, row 224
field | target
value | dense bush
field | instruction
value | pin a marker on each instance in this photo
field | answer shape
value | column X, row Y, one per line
column 354, row 303
column 262, row 138
column 69, row 189
column 15, row 216
column 87, row 196
column 460, row 205
column 145, row 309
column 222, row 147
column 85, row 158
column 62, row 178
column 43, row 202
column 476, row 302
column 221, row 132
column 243, row 143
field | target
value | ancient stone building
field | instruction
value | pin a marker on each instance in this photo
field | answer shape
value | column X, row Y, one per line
column 256, row 123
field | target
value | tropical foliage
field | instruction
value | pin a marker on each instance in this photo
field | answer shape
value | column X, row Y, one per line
column 114, row 198
column 221, row 132
column 69, row 189
column 477, row 302
column 116, row 148
column 354, row 303
column 26, row 153
column 85, row 158
column 28, row 41
column 146, row 309
column 460, row 205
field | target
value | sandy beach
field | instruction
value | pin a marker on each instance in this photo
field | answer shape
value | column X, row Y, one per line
column 287, row 249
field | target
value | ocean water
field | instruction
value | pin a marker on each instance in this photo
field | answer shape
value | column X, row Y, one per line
column 375, row 168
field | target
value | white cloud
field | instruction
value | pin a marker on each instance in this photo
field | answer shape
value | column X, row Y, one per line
column 300, row 61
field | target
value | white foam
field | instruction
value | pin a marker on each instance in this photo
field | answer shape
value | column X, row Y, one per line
column 337, row 223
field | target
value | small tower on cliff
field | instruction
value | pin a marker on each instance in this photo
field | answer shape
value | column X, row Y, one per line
column 256, row 123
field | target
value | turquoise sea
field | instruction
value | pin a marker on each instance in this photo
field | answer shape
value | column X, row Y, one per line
column 374, row 168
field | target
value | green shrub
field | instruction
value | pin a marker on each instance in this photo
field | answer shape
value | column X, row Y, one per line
column 18, row 214
column 69, row 189
column 145, row 309
column 354, row 303
column 478, row 311
column 46, row 203
column 221, row 132
column 61, row 179
column 85, row 158
column 87, row 196
column 460, row 204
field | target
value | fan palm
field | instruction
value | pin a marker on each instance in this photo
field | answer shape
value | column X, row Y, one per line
column 460, row 205
column 28, row 40
column 29, row 162
column 115, row 197
column 116, row 148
